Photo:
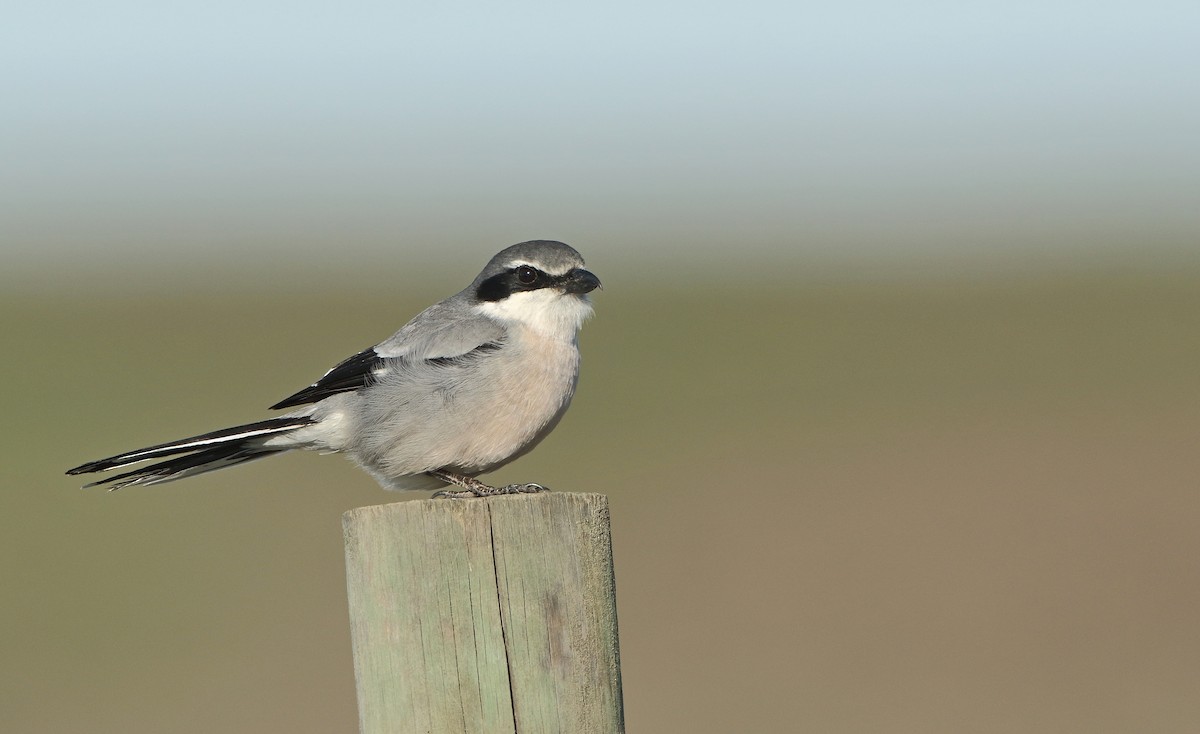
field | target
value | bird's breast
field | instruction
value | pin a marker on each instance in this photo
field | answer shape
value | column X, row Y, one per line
column 470, row 417
column 527, row 393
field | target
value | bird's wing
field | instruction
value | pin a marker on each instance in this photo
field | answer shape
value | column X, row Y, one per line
column 446, row 329
column 435, row 336
column 349, row 374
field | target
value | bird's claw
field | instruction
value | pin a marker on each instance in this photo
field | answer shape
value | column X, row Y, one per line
column 483, row 490
column 530, row 488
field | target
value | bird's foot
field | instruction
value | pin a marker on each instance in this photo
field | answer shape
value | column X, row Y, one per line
column 471, row 487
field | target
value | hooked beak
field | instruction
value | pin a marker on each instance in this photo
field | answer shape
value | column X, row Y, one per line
column 581, row 281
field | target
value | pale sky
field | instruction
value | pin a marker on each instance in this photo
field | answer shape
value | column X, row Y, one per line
column 166, row 132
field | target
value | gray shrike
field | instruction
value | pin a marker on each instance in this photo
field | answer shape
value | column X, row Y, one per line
column 467, row 386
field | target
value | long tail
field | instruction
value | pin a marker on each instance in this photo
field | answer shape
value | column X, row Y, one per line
column 205, row 453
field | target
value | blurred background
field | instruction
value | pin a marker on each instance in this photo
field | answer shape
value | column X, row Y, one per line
column 893, row 383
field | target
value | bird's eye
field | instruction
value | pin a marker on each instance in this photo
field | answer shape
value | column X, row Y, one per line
column 527, row 275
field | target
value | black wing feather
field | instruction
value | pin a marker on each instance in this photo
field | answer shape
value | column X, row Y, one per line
column 460, row 359
column 357, row 372
column 349, row 374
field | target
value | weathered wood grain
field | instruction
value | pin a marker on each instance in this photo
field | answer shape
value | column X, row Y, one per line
column 485, row 615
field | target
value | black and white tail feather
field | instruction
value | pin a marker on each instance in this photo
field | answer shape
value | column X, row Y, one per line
column 237, row 445
column 204, row 453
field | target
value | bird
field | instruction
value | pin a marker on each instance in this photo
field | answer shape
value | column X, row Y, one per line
column 468, row 385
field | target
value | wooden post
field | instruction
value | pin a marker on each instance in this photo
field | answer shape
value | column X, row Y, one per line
column 485, row 615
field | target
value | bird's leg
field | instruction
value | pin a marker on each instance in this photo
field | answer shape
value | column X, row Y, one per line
column 472, row 487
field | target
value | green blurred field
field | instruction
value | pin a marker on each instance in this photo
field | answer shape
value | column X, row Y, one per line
column 955, row 505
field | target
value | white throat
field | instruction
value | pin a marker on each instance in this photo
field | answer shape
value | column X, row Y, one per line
column 549, row 312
